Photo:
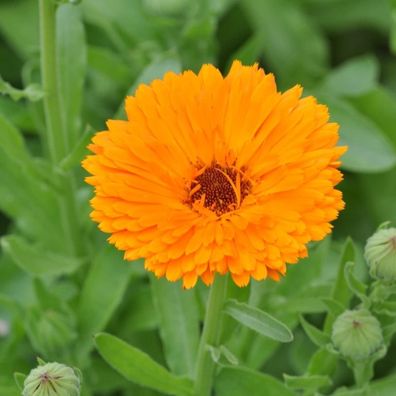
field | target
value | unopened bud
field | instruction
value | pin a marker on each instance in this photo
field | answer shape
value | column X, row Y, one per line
column 380, row 253
column 357, row 334
column 52, row 379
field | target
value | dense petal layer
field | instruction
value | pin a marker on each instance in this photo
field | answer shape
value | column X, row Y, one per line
column 280, row 148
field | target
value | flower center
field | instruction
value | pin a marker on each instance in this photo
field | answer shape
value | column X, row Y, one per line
column 220, row 189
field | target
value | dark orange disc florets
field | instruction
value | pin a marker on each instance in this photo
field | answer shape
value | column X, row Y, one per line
column 220, row 189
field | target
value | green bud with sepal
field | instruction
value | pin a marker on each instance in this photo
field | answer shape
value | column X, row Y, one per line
column 380, row 253
column 52, row 379
column 357, row 334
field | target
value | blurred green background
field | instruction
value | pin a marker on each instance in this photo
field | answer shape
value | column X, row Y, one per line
column 342, row 51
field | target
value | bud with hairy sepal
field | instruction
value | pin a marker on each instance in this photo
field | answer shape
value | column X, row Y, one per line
column 380, row 253
column 357, row 334
column 52, row 379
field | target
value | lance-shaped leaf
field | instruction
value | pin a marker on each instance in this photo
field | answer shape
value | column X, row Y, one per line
column 258, row 320
column 237, row 381
column 354, row 284
column 102, row 291
column 179, row 325
column 71, row 65
column 309, row 383
column 317, row 336
column 37, row 261
column 140, row 368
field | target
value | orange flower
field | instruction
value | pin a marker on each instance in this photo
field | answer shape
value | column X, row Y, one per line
column 213, row 174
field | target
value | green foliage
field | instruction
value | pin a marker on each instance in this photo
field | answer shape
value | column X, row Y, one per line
column 259, row 321
column 61, row 283
column 179, row 324
column 138, row 367
column 235, row 381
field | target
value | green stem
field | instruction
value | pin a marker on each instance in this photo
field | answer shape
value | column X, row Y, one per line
column 362, row 372
column 210, row 337
column 54, row 134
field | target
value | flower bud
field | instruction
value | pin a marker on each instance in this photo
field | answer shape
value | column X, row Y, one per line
column 52, row 379
column 380, row 253
column 357, row 334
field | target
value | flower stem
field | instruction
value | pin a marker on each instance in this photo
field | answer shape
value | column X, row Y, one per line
column 361, row 373
column 55, row 134
column 210, row 337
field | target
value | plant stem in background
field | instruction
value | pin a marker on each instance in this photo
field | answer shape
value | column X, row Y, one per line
column 55, row 136
column 210, row 337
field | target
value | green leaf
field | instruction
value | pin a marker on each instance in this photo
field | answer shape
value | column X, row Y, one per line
column 284, row 30
column 19, row 380
column 9, row 390
column 389, row 331
column 393, row 28
column 10, row 304
column 384, row 386
column 343, row 391
column 222, row 352
column 17, row 113
column 323, row 362
column 307, row 382
column 179, row 325
column 341, row 292
column 125, row 16
column 380, row 106
column 249, row 52
column 71, row 65
column 143, row 316
column 229, row 356
column 19, row 26
column 387, row 308
column 339, row 16
column 50, row 332
column 78, row 152
column 37, row 261
column 354, row 284
column 138, row 367
column 307, row 303
column 369, row 150
column 25, row 196
column 354, row 77
column 334, row 307
column 32, row 92
column 101, row 293
column 259, row 321
column 12, row 140
column 317, row 336
column 237, row 381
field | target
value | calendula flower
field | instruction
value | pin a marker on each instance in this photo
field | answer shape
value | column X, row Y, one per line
column 214, row 174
